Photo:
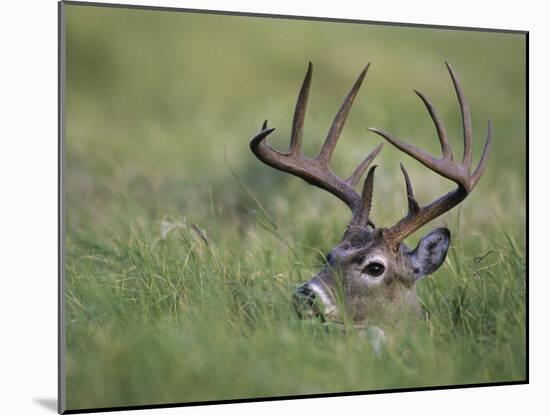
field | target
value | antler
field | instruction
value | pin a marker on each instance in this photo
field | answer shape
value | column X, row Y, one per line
column 445, row 166
column 317, row 171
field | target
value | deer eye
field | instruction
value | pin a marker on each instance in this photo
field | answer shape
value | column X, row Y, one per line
column 375, row 269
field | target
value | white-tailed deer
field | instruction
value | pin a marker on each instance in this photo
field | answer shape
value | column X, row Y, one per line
column 371, row 274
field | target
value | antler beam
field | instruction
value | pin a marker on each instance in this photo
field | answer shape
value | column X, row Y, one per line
column 317, row 171
column 445, row 166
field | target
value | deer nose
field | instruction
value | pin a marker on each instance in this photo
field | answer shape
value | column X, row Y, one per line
column 304, row 301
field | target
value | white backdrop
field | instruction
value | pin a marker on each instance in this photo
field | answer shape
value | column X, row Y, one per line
column 28, row 203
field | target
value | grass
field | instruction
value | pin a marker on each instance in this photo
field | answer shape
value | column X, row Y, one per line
column 182, row 249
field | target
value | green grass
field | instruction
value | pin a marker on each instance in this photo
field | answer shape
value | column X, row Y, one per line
column 160, row 110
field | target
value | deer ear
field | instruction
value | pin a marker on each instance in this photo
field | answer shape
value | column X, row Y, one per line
column 430, row 252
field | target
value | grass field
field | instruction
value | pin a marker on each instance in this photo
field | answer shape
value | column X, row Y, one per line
column 160, row 111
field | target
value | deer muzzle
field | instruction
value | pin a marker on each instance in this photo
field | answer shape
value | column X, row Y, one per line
column 313, row 300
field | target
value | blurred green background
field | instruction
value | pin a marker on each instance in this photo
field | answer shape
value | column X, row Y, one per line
column 160, row 108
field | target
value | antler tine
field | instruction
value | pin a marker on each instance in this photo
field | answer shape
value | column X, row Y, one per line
column 445, row 166
column 316, row 171
column 356, row 175
column 340, row 120
column 412, row 203
column 362, row 216
column 466, row 118
column 441, row 132
column 299, row 113
column 258, row 143
column 478, row 172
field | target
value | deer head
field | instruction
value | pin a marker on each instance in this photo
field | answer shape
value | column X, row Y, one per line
column 371, row 274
